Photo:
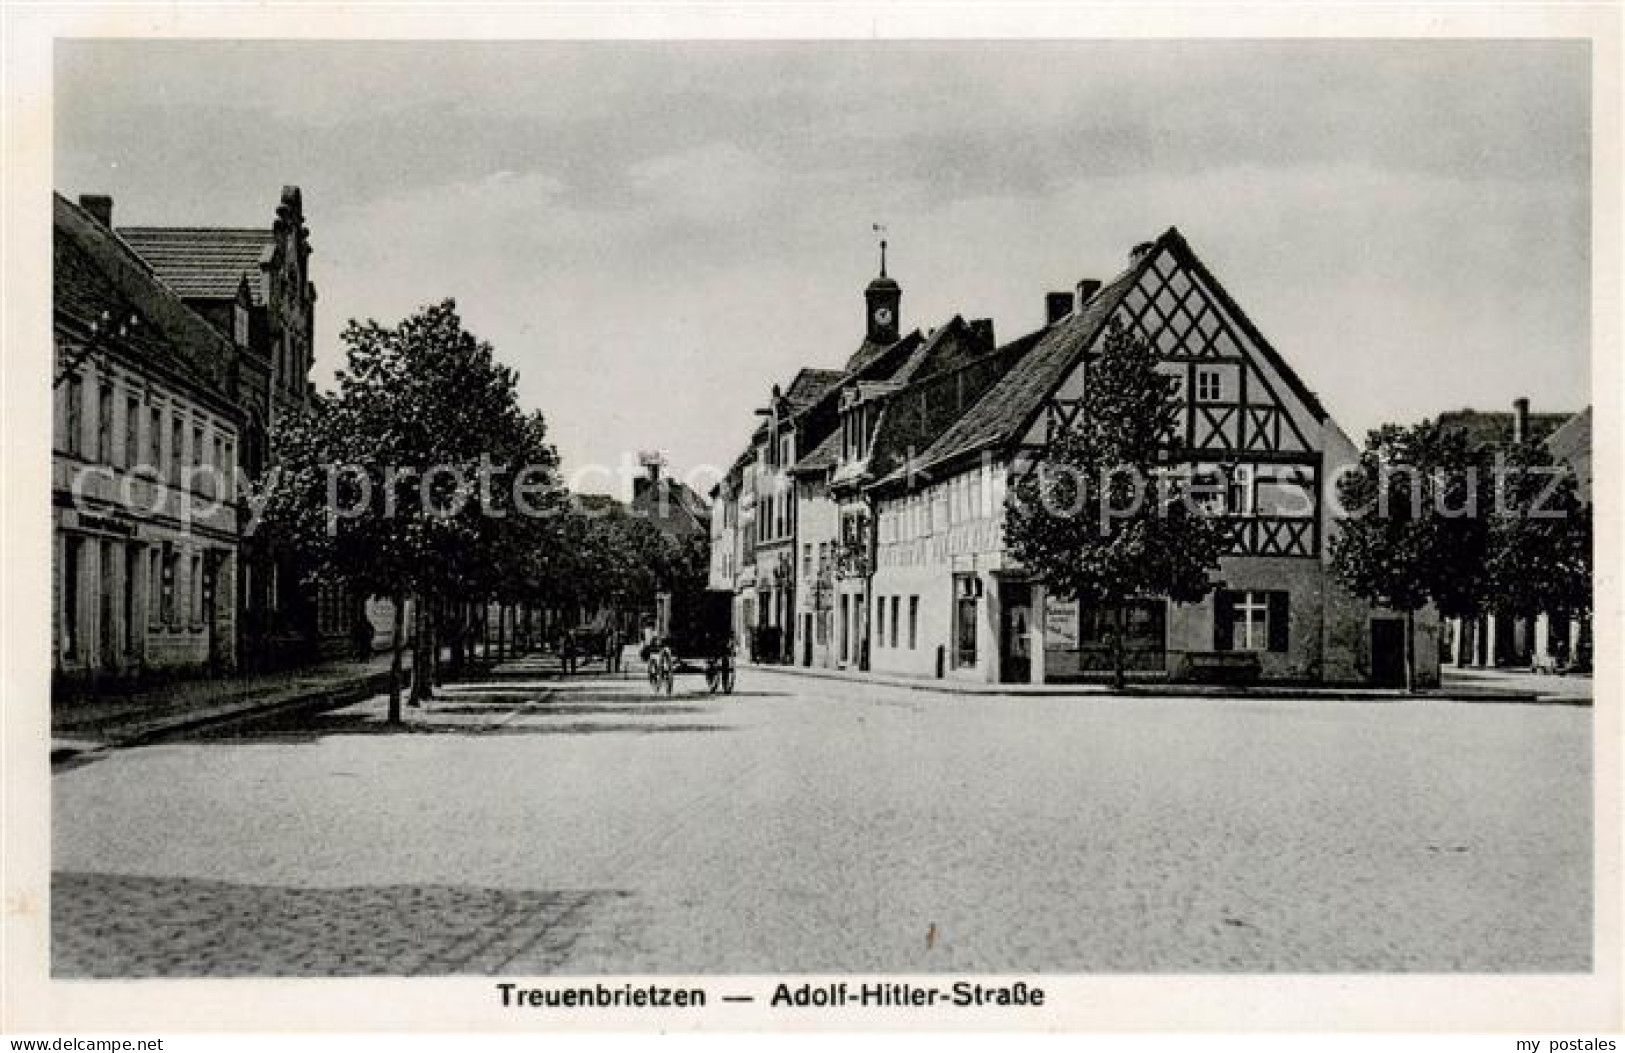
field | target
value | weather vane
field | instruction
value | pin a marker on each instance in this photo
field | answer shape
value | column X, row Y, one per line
column 880, row 229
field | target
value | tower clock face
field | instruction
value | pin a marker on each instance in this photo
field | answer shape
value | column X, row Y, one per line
column 883, row 315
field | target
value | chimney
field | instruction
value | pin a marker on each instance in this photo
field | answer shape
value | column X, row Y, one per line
column 1520, row 420
column 1140, row 251
column 981, row 331
column 1057, row 305
column 100, row 207
column 1086, row 291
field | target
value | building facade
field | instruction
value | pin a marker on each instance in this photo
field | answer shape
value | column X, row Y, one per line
column 146, row 444
column 253, row 285
column 930, row 432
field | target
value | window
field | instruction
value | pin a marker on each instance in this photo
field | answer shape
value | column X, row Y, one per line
column 895, row 600
column 806, row 559
column 132, row 432
column 880, row 621
column 195, row 591
column 239, row 325
column 177, row 447
column 71, row 548
column 104, row 423
column 913, row 622
column 823, row 556
column 155, row 438
column 132, row 570
column 1240, row 497
column 1250, row 621
column 1177, row 388
column 167, row 589
column 155, row 587
column 967, row 591
column 1209, row 387
column 197, row 446
column 76, row 415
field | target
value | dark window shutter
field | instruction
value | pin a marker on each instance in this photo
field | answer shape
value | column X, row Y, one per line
column 1224, row 616
column 1278, row 616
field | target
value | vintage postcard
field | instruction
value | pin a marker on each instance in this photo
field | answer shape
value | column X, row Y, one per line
column 773, row 519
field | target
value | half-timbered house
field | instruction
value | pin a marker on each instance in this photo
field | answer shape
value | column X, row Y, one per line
column 958, row 606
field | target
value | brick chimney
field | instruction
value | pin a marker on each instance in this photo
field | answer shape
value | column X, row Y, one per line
column 981, row 331
column 1086, row 291
column 100, row 207
column 1057, row 305
column 1520, row 420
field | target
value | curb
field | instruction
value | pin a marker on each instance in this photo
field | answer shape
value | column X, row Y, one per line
column 1170, row 690
column 64, row 750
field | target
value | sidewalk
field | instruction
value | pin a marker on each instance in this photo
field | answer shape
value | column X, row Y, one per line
column 1450, row 692
column 83, row 725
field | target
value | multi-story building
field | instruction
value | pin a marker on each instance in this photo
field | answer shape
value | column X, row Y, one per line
column 930, row 432
column 253, row 285
column 148, row 433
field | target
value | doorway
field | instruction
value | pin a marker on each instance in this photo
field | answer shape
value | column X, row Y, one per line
column 1015, row 632
column 1388, row 652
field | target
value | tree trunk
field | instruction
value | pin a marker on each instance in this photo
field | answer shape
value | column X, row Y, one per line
column 396, row 644
column 422, row 653
column 1410, row 651
column 1119, row 679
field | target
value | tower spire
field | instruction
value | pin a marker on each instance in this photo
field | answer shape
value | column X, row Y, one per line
column 880, row 228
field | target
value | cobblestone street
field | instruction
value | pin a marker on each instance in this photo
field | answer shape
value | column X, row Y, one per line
column 808, row 825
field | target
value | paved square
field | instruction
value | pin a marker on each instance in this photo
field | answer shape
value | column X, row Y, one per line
column 807, row 825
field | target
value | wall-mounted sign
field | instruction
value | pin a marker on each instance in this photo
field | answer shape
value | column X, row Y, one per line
column 1060, row 624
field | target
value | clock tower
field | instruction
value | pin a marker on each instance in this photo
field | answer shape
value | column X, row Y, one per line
column 882, row 299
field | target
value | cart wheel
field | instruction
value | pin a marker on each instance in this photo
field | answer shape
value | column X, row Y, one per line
column 727, row 676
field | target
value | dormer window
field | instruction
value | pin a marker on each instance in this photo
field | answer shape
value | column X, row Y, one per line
column 239, row 325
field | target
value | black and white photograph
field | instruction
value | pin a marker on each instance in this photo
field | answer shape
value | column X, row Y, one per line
column 713, row 530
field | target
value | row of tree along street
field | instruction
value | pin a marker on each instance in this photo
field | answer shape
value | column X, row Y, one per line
column 385, row 486
column 1431, row 518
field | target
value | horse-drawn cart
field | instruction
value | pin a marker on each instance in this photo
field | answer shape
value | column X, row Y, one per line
column 694, row 635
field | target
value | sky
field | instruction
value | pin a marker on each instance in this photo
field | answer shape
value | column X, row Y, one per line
column 654, row 234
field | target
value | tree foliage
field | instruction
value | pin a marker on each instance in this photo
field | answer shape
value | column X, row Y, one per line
column 1104, row 516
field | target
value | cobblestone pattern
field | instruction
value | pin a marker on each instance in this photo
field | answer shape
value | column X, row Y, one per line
column 109, row 925
column 808, row 826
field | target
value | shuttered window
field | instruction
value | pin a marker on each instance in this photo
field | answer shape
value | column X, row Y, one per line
column 1251, row 620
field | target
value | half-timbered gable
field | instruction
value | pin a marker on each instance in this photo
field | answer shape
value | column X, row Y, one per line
column 1246, row 423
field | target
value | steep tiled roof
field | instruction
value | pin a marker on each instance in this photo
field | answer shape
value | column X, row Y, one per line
column 866, row 353
column 1007, row 406
column 204, row 263
column 1572, row 443
column 1494, row 427
column 823, row 456
column 94, row 270
column 809, row 386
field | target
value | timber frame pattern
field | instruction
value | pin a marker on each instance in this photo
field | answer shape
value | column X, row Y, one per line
column 1173, row 303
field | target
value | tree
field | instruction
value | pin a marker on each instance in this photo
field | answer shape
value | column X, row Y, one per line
column 1105, row 516
column 1414, row 530
column 1540, row 535
column 403, row 483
